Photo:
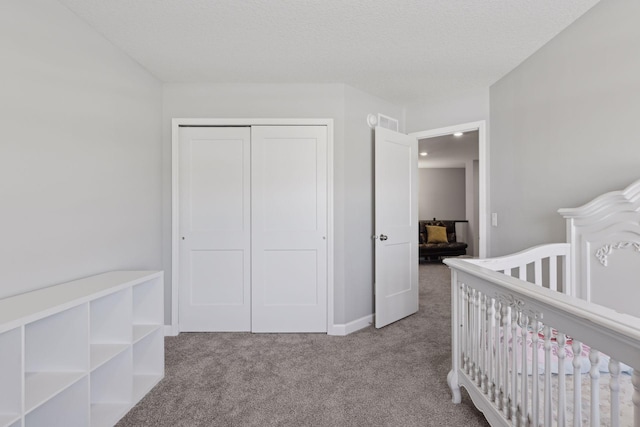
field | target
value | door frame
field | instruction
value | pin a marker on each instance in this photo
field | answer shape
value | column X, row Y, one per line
column 483, row 173
column 175, row 202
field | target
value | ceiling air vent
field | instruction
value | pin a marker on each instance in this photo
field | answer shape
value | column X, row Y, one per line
column 388, row 122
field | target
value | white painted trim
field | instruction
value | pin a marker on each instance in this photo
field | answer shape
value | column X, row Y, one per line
column 356, row 325
column 171, row 330
column 483, row 152
column 175, row 197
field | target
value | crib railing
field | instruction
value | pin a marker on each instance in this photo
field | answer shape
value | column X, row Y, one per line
column 544, row 265
column 511, row 337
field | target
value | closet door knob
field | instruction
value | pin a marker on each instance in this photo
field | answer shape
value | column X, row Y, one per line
column 383, row 237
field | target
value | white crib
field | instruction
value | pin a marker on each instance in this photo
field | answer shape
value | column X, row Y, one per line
column 551, row 335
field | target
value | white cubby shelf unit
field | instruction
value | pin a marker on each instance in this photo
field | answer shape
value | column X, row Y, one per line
column 81, row 353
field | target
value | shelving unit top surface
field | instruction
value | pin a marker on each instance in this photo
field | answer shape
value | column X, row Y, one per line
column 40, row 303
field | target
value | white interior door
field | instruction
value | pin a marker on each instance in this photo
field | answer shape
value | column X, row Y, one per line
column 289, row 228
column 215, row 229
column 396, row 226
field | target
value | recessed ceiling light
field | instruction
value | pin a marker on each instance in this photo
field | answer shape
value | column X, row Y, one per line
column 424, row 153
column 458, row 134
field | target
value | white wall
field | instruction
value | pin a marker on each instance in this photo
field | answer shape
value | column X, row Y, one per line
column 457, row 108
column 80, row 152
column 442, row 193
column 348, row 108
column 563, row 126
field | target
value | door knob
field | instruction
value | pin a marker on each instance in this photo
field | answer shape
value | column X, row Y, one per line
column 383, row 237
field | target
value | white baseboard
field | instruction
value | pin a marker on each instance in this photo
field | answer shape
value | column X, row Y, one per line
column 336, row 329
column 171, row 330
column 347, row 328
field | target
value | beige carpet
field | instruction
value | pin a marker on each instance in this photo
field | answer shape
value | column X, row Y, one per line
column 395, row 376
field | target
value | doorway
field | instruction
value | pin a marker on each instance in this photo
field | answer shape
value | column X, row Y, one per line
column 482, row 178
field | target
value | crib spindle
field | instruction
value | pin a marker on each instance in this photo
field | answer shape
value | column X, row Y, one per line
column 577, row 383
column 465, row 328
column 548, row 415
column 553, row 273
column 486, row 345
column 594, row 373
column 614, row 387
column 506, row 326
column 480, row 367
column 537, row 272
column 635, row 380
column 473, row 353
column 562, row 404
column 498, row 348
column 514, row 367
column 522, row 272
column 535, row 386
column 523, row 375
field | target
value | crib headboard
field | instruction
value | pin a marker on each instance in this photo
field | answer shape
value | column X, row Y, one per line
column 605, row 249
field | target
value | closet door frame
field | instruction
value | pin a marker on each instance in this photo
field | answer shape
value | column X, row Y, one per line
column 175, row 203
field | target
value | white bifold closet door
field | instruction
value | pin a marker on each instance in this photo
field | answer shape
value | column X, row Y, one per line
column 253, row 224
column 289, row 228
column 215, row 229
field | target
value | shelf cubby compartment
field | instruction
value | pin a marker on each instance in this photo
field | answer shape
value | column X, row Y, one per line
column 110, row 326
column 69, row 408
column 112, row 390
column 148, row 305
column 10, row 420
column 56, row 354
column 148, row 363
column 10, row 377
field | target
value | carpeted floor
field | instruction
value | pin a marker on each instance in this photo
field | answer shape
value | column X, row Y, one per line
column 395, row 376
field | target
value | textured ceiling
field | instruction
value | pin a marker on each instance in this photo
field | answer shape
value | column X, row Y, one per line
column 399, row 50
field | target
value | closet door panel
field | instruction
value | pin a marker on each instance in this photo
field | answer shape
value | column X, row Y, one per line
column 289, row 172
column 215, row 229
column 217, row 277
column 289, row 225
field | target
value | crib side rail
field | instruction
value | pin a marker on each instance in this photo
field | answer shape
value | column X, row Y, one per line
column 491, row 316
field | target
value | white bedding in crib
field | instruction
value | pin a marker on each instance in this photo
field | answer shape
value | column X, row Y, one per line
column 585, row 363
column 626, row 403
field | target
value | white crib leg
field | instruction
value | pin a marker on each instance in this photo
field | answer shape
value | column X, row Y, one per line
column 577, row 384
column 594, row 372
column 456, row 358
column 454, row 385
column 548, row 414
column 562, row 404
column 614, row 386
